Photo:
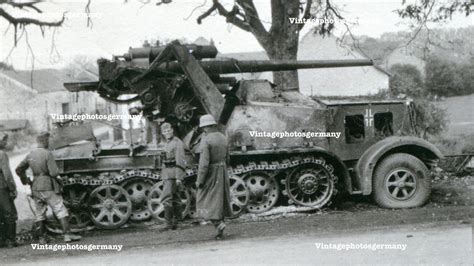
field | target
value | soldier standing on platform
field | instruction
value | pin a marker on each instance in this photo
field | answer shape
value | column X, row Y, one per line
column 8, row 193
column 213, row 194
column 172, row 174
column 45, row 188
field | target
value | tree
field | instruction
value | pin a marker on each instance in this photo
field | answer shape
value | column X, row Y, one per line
column 82, row 67
column 9, row 8
column 430, row 120
column 280, row 40
column 466, row 72
column 406, row 79
column 442, row 79
column 423, row 12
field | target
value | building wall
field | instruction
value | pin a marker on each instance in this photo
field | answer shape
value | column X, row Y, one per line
column 18, row 101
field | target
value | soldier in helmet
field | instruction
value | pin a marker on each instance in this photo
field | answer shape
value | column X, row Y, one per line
column 172, row 174
column 213, row 194
column 8, row 214
column 45, row 188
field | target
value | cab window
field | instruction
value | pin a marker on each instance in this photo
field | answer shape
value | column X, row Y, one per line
column 383, row 124
column 354, row 128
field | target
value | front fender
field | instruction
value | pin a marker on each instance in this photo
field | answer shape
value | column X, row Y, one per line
column 406, row 144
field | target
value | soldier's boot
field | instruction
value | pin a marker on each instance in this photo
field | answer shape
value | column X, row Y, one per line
column 2, row 235
column 168, row 218
column 10, row 234
column 40, row 231
column 68, row 236
column 177, row 215
column 220, row 230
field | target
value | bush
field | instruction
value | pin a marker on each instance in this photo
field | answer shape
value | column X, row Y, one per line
column 445, row 78
column 430, row 120
column 406, row 79
column 466, row 73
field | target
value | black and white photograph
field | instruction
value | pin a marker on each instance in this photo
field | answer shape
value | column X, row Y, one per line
column 236, row 132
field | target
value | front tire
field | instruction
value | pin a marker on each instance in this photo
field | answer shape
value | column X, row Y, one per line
column 401, row 181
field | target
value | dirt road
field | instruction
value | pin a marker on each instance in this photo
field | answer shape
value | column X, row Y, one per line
column 432, row 235
column 434, row 245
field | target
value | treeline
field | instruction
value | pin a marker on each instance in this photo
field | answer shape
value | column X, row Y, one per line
column 442, row 78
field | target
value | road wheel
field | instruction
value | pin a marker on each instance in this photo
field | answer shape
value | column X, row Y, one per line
column 401, row 181
column 311, row 184
column 110, row 207
column 239, row 194
column 263, row 191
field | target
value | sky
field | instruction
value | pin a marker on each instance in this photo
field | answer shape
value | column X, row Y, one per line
column 117, row 25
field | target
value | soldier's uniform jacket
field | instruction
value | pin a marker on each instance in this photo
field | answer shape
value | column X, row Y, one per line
column 6, row 177
column 174, row 162
column 44, row 168
column 8, row 213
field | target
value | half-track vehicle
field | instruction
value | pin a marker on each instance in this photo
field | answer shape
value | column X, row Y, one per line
column 285, row 148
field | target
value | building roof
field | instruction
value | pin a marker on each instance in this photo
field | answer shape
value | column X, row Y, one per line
column 7, row 81
column 40, row 80
column 13, row 124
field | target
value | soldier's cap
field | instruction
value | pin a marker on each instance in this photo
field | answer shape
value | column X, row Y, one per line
column 166, row 126
column 207, row 120
column 42, row 136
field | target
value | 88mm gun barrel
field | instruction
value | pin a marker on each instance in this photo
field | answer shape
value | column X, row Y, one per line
column 236, row 66
column 242, row 66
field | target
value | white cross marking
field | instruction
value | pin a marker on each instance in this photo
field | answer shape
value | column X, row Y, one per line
column 369, row 118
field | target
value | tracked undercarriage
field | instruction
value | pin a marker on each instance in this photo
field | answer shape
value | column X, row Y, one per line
column 111, row 199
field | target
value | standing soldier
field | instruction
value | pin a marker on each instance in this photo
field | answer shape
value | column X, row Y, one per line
column 213, row 195
column 8, row 214
column 172, row 174
column 45, row 188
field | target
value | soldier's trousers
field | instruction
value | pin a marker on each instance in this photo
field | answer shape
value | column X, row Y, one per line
column 171, row 200
column 8, row 214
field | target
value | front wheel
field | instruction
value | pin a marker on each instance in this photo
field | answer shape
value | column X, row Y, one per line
column 401, row 181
